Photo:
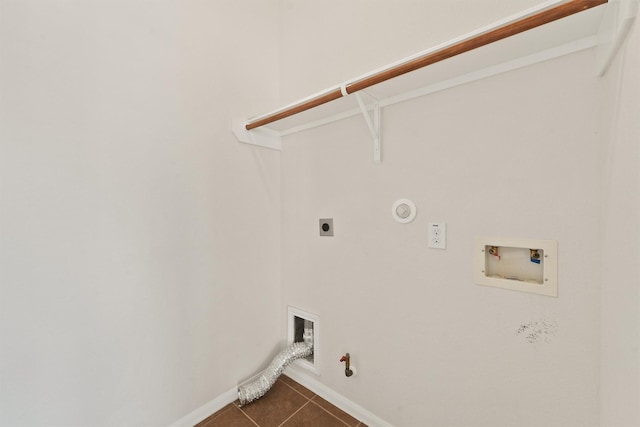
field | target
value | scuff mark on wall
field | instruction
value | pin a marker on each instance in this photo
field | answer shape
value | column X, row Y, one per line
column 538, row 330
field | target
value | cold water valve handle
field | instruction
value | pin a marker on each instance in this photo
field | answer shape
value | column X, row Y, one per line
column 346, row 358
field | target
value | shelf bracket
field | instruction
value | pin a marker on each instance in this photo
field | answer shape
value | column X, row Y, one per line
column 373, row 123
column 615, row 26
column 261, row 137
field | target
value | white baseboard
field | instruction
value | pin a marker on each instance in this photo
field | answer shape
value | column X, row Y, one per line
column 309, row 382
column 207, row 409
column 337, row 399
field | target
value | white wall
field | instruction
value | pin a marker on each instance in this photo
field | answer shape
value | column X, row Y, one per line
column 139, row 242
column 517, row 155
column 620, row 370
column 327, row 42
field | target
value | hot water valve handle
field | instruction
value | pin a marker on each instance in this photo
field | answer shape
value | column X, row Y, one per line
column 347, row 370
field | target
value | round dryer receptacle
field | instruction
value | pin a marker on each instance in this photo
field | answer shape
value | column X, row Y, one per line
column 404, row 211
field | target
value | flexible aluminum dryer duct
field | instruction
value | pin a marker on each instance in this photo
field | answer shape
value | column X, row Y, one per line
column 256, row 389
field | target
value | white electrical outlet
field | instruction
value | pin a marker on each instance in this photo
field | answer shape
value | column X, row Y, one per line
column 438, row 235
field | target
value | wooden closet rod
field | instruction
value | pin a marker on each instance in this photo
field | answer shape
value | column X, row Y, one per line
column 527, row 23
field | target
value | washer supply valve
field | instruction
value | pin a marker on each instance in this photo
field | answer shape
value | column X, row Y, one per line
column 347, row 359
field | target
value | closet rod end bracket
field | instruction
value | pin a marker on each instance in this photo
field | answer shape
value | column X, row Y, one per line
column 261, row 137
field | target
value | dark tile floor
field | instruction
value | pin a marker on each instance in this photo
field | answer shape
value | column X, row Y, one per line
column 287, row 404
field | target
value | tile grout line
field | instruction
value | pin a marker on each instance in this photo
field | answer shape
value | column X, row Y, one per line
column 249, row 418
column 334, row 415
column 297, row 410
column 246, row 415
column 308, row 398
column 212, row 417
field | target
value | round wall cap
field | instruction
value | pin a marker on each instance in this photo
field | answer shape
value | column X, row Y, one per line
column 404, row 211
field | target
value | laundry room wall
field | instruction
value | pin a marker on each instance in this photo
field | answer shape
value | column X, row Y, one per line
column 139, row 242
column 515, row 155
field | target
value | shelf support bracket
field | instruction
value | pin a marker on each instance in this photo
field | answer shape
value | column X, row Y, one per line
column 616, row 23
column 262, row 137
column 373, row 123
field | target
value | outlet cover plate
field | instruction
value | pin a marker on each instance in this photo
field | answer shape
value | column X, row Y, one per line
column 438, row 235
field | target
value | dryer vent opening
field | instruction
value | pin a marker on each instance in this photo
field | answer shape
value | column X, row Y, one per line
column 304, row 327
column 303, row 332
